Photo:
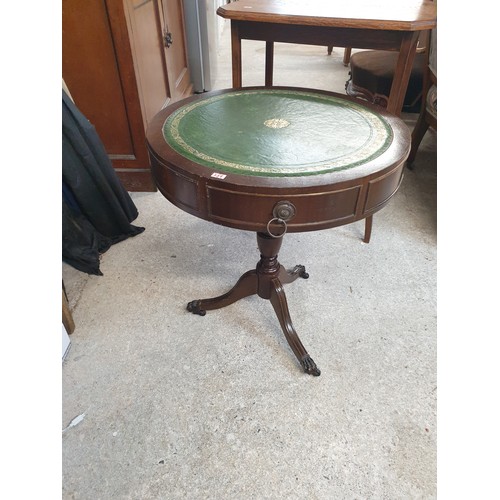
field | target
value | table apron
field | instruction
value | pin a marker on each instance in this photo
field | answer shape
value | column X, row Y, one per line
column 320, row 35
column 244, row 207
column 330, row 206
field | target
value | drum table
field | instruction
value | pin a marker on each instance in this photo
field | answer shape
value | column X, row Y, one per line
column 275, row 160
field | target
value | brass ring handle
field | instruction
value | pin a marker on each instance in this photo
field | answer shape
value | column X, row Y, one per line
column 277, row 219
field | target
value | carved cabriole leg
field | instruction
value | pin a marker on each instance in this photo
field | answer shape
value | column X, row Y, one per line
column 278, row 300
column 269, row 272
column 246, row 286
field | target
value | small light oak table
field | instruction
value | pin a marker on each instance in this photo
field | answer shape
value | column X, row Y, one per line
column 362, row 24
column 272, row 161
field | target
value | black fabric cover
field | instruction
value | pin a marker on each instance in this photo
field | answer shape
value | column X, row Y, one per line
column 96, row 209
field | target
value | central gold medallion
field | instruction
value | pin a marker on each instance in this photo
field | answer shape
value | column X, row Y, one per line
column 276, row 123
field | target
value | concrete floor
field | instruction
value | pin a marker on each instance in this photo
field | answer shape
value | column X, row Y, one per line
column 162, row 404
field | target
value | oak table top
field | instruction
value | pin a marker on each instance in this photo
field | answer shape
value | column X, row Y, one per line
column 408, row 15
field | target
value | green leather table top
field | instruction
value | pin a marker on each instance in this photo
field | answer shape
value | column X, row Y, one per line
column 273, row 132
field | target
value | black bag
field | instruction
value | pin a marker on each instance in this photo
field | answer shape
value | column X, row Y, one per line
column 96, row 209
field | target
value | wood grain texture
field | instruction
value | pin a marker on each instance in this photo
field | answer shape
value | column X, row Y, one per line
column 384, row 14
column 120, row 74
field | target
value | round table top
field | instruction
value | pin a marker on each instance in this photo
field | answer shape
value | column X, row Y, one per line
column 277, row 132
column 230, row 156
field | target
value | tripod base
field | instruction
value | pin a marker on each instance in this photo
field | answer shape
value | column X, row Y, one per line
column 267, row 282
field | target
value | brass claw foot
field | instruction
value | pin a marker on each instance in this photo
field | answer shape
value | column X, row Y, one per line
column 194, row 307
column 290, row 275
column 310, row 366
column 302, row 271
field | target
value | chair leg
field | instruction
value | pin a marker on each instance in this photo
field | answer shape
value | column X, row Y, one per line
column 330, row 48
column 347, row 56
column 416, row 137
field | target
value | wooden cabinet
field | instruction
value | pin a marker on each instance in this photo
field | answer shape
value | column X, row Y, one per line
column 123, row 61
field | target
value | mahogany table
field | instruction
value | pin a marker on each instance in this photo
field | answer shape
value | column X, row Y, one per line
column 276, row 160
column 363, row 24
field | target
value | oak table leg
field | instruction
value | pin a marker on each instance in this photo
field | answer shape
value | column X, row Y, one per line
column 402, row 72
column 236, row 55
column 269, row 64
column 267, row 281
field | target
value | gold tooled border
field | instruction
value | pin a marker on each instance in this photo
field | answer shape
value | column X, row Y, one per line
column 379, row 140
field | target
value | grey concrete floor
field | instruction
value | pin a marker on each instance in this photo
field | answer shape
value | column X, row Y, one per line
column 162, row 404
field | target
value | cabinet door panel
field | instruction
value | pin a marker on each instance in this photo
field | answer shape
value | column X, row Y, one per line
column 179, row 80
column 114, row 63
column 90, row 70
column 143, row 17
